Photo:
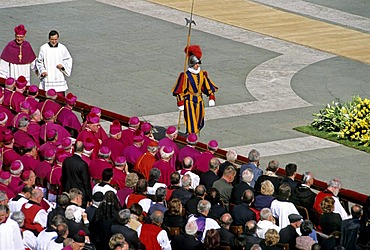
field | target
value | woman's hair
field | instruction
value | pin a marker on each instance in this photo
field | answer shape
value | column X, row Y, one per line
column 267, row 188
column 212, row 239
column 109, row 207
column 174, row 207
column 131, row 180
column 306, row 227
column 214, row 197
column 327, row 204
column 271, row 237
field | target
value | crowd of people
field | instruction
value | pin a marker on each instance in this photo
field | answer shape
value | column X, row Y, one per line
column 69, row 184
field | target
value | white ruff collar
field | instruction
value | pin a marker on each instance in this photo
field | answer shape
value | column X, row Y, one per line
column 194, row 71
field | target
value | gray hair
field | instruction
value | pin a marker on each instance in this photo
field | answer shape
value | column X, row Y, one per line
column 3, row 195
column 57, row 220
column 254, row 155
column 157, row 217
column 186, row 180
column 18, row 217
column 124, row 216
column 256, row 247
column 191, row 228
column 306, row 177
column 154, row 174
column 214, row 164
column 203, row 206
column 247, row 175
column 265, row 213
column 335, row 183
column 231, row 155
column 23, row 122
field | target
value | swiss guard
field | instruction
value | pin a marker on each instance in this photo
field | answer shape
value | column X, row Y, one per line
column 189, row 88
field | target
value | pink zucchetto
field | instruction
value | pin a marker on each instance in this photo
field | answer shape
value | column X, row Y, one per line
column 16, row 167
column 213, row 145
column 20, row 30
column 66, row 143
column 96, row 111
column 104, row 151
column 25, row 105
column 115, row 127
column 93, row 118
column 134, row 121
column 146, row 127
column 21, row 82
column 30, row 145
column 120, row 161
column 71, row 99
column 5, row 175
column 49, row 154
column 51, row 133
column 48, row 114
column 166, row 152
column 192, row 139
column 10, row 81
column 33, row 89
column 3, row 118
column 51, row 93
column 88, row 144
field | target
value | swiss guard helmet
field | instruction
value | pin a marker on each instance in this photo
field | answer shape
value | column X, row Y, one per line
column 194, row 53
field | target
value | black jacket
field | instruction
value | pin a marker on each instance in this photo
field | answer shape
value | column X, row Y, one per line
column 303, row 196
column 75, row 174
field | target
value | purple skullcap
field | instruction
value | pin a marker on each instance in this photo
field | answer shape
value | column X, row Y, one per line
column 3, row 118
column 16, row 166
column 93, row 118
column 166, row 152
column 104, row 151
column 25, row 105
column 192, row 138
column 21, row 82
column 49, row 154
column 51, row 133
column 134, row 121
column 120, row 160
column 96, row 110
column 8, row 136
column 26, row 174
column 33, row 111
column 48, row 114
column 171, row 130
column 115, row 127
column 213, row 144
column 88, row 144
column 61, row 157
column 66, row 143
column 9, row 81
column 20, row 30
column 71, row 99
column 33, row 89
column 146, row 127
column 138, row 138
column 5, row 175
column 51, row 93
column 30, row 144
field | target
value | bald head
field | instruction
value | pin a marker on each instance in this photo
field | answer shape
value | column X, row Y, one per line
column 188, row 162
column 226, row 220
column 37, row 195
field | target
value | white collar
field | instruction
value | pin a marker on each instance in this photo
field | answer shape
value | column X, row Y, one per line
column 194, row 71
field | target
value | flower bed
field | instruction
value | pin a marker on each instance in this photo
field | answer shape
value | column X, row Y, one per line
column 349, row 120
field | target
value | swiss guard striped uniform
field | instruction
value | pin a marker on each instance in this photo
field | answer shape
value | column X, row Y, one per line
column 189, row 94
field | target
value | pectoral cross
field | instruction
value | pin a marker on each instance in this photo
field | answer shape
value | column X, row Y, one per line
column 20, row 53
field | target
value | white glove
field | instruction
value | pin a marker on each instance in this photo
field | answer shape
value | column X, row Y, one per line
column 211, row 103
column 181, row 108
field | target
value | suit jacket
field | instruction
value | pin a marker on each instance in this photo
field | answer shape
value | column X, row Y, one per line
column 257, row 172
column 186, row 242
column 226, row 237
column 207, row 179
column 129, row 234
column 303, row 196
column 288, row 235
column 183, row 194
column 241, row 214
column 75, row 174
column 238, row 190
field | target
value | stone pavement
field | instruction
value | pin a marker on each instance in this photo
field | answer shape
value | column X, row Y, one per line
column 127, row 55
